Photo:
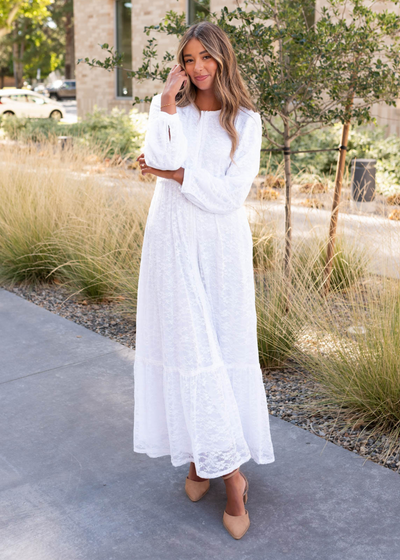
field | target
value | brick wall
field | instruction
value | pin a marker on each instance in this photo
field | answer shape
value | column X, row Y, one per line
column 147, row 12
column 94, row 24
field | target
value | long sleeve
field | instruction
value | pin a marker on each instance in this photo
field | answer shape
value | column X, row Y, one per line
column 222, row 195
column 165, row 144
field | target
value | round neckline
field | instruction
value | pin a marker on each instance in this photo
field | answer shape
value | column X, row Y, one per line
column 201, row 111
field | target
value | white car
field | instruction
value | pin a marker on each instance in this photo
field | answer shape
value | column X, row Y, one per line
column 25, row 103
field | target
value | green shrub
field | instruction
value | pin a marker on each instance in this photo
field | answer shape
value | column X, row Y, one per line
column 31, row 130
column 364, row 142
column 114, row 133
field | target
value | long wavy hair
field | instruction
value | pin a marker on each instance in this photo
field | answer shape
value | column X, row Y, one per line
column 229, row 87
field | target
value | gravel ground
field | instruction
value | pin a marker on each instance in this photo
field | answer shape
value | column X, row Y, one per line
column 292, row 394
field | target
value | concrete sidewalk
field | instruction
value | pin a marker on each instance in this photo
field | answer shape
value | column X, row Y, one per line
column 71, row 487
column 379, row 236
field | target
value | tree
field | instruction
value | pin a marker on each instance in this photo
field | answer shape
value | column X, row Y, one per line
column 69, row 40
column 25, row 29
column 302, row 74
column 5, row 63
column 41, row 37
column 8, row 12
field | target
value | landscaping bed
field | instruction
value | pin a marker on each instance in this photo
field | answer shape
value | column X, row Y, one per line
column 292, row 393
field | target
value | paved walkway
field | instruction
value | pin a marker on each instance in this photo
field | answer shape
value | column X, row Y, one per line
column 379, row 236
column 71, row 487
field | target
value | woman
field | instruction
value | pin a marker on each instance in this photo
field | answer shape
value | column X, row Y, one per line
column 199, row 395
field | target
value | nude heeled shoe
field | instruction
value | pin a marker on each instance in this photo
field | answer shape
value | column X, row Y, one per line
column 237, row 525
column 196, row 489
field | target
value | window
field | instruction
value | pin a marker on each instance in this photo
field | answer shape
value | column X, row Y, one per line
column 123, row 16
column 37, row 100
column 19, row 97
column 197, row 10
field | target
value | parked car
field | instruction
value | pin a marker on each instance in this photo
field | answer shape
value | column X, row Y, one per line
column 24, row 103
column 41, row 88
column 62, row 89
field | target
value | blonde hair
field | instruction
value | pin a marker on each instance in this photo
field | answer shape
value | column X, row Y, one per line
column 229, row 87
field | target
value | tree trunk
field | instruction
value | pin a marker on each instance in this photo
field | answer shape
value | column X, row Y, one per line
column 335, row 207
column 18, row 50
column 288, row 202
column 69, row 46
column 288, row 220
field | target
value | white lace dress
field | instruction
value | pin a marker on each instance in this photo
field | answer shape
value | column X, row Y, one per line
column 198, row 387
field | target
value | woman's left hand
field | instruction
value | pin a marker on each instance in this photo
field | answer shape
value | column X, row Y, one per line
column 176, row 175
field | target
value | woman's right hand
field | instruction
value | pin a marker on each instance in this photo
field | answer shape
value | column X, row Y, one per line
column 176, row 78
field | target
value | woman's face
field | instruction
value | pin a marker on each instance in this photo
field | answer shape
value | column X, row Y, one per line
column 198, row 63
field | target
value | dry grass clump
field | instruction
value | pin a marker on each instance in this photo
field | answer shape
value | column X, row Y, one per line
column 147, row 178
column 58, row 224
column 395, row 215
column 350, row 263
column 312, row 203
column 313, row 188
column 265, row 245
column 273, row 182
column 266, row 193
column 351, row 347
column 100, row 247
column 278, row 329
column 393, row 199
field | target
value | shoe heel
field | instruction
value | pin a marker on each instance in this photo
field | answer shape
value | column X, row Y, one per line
column 246, row 490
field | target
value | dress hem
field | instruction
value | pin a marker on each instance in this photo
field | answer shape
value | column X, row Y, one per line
column 201, row 473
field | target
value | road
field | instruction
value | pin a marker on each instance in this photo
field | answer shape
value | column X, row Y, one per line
column 70, row 110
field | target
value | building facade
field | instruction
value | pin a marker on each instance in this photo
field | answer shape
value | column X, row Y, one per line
column 121, row 24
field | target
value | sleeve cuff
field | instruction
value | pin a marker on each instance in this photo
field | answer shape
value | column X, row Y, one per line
column 185, row 187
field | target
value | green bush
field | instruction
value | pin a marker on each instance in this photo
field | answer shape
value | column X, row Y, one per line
column 364, row 142
column 31, row 130
column 114, row 133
